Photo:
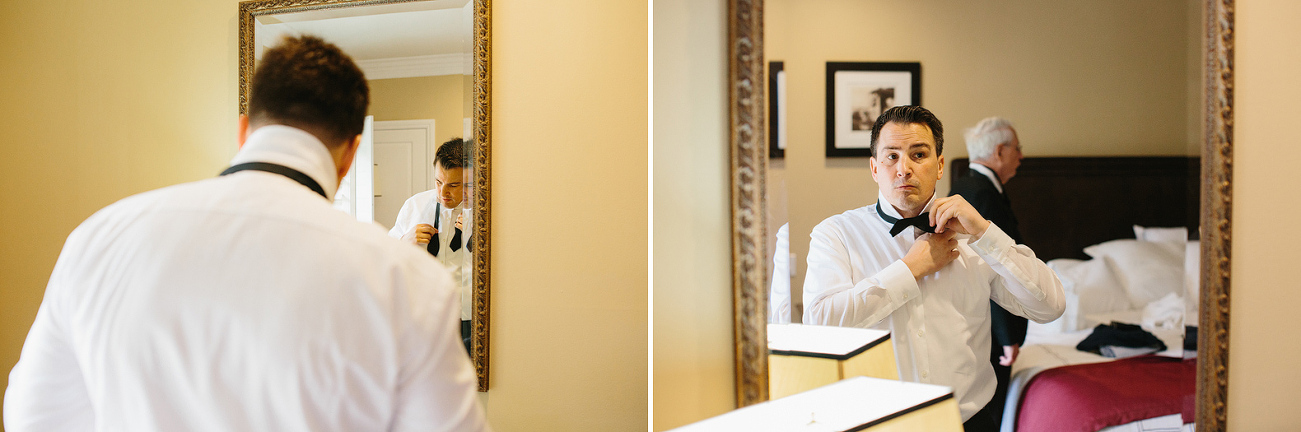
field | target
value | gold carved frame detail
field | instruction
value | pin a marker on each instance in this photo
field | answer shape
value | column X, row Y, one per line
column 748, row 159
column 1217, row 211
column 482, row 129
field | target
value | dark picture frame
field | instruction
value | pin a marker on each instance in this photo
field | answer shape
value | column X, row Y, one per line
column 776, row 110
column 857, row 92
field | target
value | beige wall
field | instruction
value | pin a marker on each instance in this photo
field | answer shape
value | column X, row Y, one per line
column 1264, row 339
column 570, row 208
column 1059, row 72
column 441, row 98
column 693, row 297
column 107, row 99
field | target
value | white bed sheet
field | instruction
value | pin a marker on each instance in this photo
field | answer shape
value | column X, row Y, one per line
column 1168, row 423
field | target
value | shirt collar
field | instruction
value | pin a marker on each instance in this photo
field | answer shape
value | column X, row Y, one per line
column 890, row 210
column 988, row 173
column 293, row 148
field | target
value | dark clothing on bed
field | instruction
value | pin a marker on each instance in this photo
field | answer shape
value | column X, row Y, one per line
column 1121, row 335
column 1007, row 329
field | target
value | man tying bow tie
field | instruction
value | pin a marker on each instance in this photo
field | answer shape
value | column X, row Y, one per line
column 930, row 289
column 438, row 221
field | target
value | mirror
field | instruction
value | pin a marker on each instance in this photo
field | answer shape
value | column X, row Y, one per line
column 752, row 173
column 427, row 63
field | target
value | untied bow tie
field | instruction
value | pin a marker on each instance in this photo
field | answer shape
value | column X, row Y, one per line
column 456, row 237
column 921, row 221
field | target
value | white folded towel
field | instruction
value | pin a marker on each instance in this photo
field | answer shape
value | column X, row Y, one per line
column 1165, row 314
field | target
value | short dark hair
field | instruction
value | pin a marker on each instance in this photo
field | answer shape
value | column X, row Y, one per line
column 451, row 154
column 308, row 83
column 909, row 114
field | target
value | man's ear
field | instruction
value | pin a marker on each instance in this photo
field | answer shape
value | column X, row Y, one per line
column 349, row 152
column 871, row 160
column 941, row 168
column 243, row 130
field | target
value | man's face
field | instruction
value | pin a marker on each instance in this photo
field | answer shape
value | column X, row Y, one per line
column 906, row 166
column 450, row 184
column 1010, row 155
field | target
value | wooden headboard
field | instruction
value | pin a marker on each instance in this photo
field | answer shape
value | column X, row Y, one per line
column 1064, row 204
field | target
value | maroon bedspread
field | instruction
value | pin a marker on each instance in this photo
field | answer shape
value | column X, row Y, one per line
column 1089, row 397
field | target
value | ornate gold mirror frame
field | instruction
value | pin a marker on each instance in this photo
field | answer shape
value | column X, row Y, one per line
column 1216, row 226
column 249, row 10
column 749, row 157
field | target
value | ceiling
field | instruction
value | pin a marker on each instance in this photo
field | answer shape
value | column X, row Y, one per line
column 397, row 31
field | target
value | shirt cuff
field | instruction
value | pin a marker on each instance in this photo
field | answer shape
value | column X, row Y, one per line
column 897, row 280
column 994, row 243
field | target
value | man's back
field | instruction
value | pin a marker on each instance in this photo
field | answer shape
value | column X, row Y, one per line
column 245, row 303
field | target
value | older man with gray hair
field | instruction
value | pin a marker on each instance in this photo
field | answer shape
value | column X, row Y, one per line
column 995, row 153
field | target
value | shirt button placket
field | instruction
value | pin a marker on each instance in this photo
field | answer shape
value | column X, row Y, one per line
column 923, row 354
column 926, row 366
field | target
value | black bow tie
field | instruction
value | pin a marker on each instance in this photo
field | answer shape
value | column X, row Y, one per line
column 921, row 221
column 433, row 241
column 456, row 240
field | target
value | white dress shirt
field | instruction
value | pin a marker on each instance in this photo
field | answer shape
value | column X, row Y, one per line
column 243, row 303
column 419, row 209
column 939, row 324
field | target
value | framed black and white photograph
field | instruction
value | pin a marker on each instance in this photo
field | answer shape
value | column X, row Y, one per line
column 776, row 110
column 858, row 92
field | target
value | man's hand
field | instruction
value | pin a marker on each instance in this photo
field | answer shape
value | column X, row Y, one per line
column 1009, row 354
column 955, row 214
column 931, row 253
column 419, row 234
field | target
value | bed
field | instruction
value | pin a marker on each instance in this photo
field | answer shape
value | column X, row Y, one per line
column 1120, row 242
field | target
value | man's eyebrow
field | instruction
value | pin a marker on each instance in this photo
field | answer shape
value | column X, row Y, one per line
column 910, row 146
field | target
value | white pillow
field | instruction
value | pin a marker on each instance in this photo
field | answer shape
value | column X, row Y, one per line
column 1173, row 238
column 1091, row 289
column 1147, row 271
column 1156, row 234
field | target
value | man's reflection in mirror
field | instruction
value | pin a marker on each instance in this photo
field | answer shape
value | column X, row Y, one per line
column 439, row 220
column 925, row 268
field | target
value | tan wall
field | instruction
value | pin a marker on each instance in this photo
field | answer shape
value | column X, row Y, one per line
column 1264, row 340
column 441, row 98
column 1087, row 78
column 108, row 99
column 693, row 297
column 570, row 208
